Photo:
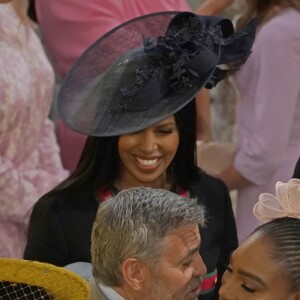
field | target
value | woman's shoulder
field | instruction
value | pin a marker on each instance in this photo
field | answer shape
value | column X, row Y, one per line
column 8, row 20
column 207, row 184
column 66, row 199
column 283, row 25
column 278, row 31
column 205, row 177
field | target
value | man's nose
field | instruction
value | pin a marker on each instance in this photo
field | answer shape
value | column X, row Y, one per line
column 200, row 268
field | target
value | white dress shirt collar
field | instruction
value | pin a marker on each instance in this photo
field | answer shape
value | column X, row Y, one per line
column 110, row 293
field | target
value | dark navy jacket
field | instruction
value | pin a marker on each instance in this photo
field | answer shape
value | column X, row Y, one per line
column 61, row 224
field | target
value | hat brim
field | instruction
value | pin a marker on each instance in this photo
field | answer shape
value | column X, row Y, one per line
column 58, row 282
column 91, row 97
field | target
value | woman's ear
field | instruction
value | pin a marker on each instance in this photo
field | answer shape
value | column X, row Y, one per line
column 135, row 273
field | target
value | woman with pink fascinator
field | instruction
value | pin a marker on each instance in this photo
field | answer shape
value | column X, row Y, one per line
column 267, row 265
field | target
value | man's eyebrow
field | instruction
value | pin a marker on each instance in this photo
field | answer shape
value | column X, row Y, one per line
column 252, row 276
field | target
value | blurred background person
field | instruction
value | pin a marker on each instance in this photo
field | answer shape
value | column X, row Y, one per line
column 216, row 119
column 30, row 163
column 268, row 107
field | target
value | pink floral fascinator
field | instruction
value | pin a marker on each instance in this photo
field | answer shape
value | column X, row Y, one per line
column 286, row 203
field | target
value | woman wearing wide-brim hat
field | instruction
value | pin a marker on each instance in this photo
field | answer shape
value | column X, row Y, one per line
column 132, row 92
column 25, row 279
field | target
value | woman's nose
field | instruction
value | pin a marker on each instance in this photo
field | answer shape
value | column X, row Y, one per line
column 148, row 142
column 226, row 291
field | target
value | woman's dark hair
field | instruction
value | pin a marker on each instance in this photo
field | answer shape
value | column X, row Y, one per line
column 283, row 234
column 99, row 162
column 297, row 170
column 31, row 12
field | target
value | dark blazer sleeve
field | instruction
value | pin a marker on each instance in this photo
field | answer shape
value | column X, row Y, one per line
column 219, row 236
column 230, row 240
column 60, row 228
column 46, row 241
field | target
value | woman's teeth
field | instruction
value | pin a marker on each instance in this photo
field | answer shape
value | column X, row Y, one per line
column 147, row 162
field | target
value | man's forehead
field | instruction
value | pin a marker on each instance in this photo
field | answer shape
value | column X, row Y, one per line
column 185, row 238
column 180, row 245
column 187, row 229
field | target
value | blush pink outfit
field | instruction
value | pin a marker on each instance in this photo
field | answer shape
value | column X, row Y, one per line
column 268, row 113
column 30, row 163
column 70, row 26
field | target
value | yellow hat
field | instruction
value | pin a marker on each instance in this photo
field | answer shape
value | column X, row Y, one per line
column 40, row 281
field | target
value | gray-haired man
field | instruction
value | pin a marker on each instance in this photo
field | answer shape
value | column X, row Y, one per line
column 145, row 246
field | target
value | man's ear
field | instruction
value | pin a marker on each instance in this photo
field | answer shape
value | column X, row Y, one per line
column 135, row 273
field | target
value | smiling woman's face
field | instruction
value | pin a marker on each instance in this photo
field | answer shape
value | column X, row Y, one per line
column 253, row 275
column 147, row 154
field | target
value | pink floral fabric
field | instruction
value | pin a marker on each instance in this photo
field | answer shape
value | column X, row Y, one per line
column 268, row 113
column 30, row 163
column 70, row 26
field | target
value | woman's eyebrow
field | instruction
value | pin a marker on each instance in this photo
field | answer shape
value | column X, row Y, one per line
column 247, row 274
column 252, row 276
column 171, row 123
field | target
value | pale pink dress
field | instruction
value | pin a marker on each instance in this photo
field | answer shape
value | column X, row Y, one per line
column 268, row 113
column 30, row 163
column 70, row 26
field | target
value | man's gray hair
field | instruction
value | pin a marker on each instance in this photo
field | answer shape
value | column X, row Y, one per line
column 134, row 223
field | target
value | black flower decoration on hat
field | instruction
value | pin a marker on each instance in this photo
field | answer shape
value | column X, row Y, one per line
column 180, row 56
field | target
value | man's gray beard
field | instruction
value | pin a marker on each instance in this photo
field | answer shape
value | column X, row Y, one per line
column 159, row 292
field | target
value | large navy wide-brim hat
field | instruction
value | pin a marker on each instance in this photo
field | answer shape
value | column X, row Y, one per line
column 147, row 69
